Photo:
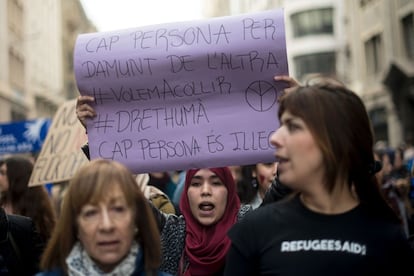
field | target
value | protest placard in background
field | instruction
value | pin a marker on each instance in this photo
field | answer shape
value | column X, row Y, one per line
column 23, row 136
column 61, row 155
column 182, row 95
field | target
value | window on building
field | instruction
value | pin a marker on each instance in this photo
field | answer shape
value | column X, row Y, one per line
column 373, row 54
column 408, row 35
column 319, row 21
column 378, row 118
column 324, row 63
column 17, row 115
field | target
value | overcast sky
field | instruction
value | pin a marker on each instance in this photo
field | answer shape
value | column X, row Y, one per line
column 109, row 15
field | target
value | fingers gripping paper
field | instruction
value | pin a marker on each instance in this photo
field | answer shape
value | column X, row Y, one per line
column 184, row 95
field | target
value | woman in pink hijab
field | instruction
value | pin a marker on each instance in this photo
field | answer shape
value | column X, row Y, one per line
column 196, row 242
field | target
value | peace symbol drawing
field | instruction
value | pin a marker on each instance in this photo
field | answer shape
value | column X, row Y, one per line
column 261, row 95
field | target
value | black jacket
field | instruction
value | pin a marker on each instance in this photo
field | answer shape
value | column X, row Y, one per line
column 20, row 245
column 276, row 192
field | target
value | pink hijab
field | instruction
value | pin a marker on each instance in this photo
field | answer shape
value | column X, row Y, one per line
column 206, row 247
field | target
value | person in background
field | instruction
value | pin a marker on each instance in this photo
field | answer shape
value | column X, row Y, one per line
column 56, row 194
column 18, row 198
column 336, row 220
column 395, row 185
column 196, row 242
column 20, row 244
column 179, row 178
column 255, row 182
column 158, row 198
column 163, row 182
column 106, row 226
column 276, row 192
column 236, row 172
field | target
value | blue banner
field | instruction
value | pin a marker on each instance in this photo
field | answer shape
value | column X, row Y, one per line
column 23, row 136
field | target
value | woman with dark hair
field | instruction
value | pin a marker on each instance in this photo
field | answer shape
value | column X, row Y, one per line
column 336, row 221
column 106, row 226
column 255, row 182
column 20, row 199
column 20, row 245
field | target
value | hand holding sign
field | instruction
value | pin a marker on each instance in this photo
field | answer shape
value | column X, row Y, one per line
column 83, row 110
column 183, row 95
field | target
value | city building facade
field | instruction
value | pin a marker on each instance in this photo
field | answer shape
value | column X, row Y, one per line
column 36, row 50
column 381, row 43
column 367, row 44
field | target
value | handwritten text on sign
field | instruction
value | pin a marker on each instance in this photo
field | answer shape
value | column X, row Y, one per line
column 61, row 155
column 182, row 95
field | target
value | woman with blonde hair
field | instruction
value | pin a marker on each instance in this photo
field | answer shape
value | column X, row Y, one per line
column 106, row 226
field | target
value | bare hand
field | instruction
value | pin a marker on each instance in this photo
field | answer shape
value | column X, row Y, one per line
column 83, row 109
column 291, row 83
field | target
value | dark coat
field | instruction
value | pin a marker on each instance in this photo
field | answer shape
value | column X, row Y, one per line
column 276, row 192
column 20, row 245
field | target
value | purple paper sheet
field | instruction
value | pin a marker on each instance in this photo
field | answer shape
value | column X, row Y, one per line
column 184, row 95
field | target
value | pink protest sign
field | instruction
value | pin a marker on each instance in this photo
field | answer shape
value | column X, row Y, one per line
column 183, row 95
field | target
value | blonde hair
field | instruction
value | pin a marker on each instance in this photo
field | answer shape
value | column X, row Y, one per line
column 88, row 186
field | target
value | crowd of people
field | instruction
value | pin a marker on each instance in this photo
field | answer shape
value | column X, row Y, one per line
column 397, row 182
column 332, row 202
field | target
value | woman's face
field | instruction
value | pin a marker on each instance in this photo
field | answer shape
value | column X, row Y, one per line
column 299, row 157
column 106, row 230
column 4, row 180
column 386, row 164
column 265, row 174
column 207, row 196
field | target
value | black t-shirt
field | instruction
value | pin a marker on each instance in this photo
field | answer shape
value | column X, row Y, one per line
column 286, row 238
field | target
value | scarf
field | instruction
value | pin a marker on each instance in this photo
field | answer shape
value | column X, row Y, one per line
column 80, row 264
column 206, row 246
